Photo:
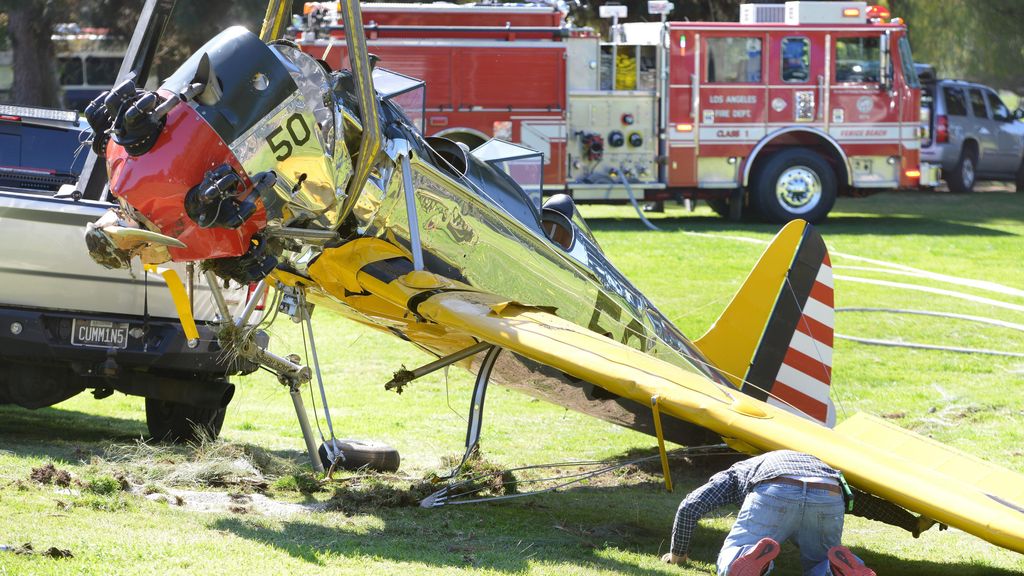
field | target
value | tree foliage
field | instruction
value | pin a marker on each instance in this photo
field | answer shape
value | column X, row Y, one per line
column 979, row 41
column 975, row 40
column 30, row 25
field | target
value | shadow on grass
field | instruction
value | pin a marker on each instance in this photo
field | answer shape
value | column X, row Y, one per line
column 585, row 528
column 505, row 538
column 60, row 434
column 841, row 224
column 888, row 214
column 69, row 436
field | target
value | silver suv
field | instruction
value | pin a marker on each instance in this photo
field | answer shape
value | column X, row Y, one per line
column 972, row 134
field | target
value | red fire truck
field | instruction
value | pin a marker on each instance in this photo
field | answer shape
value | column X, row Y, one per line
column 779, row 113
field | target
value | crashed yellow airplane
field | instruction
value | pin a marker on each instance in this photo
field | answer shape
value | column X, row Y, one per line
column 256, row 160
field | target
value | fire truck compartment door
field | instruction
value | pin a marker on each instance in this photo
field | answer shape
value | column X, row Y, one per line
column 584, row 57
column 627, row 125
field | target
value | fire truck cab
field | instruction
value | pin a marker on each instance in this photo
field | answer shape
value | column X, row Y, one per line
column 778, row 113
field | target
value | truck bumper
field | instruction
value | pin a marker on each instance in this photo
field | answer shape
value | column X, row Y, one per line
column 930, row 175
column 157, row 345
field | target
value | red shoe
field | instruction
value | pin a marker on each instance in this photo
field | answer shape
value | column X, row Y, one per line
column 756, row 561
column 845, row 563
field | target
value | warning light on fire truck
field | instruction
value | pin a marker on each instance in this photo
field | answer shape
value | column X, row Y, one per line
column 878, row 14
column 851, row 12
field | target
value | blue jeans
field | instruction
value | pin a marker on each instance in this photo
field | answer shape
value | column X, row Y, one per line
column 811, row 517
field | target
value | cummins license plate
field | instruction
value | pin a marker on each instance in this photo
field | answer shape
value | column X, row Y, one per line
column 99, row 333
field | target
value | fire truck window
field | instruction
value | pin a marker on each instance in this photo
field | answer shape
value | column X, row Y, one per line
column 858, row 60
column 71, row 73
column 956, row 104
column 734, row 60
column 907, row 61
column 978, row 104
column 999, row 110
column 796, row 60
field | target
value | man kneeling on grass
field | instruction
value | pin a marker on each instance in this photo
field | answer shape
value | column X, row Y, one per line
column 786, row 495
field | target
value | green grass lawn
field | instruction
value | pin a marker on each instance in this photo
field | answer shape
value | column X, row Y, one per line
column 615, row 524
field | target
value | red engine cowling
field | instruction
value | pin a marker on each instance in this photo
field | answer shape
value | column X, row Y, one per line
column 155, row 184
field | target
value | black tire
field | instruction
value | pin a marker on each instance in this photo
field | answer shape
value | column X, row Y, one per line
column 963, row 176
column 806, row 187
column 720, row 206
column 730, row 208
column 174, row 422
column 1020, row 177
column 361, row 454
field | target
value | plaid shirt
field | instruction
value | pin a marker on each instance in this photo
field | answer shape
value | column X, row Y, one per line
column 732, row 486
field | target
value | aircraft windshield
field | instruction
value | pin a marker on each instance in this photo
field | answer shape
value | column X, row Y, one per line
column 522, row 164
column 407, row 92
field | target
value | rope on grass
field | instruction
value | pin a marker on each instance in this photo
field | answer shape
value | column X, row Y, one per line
column 921, row 346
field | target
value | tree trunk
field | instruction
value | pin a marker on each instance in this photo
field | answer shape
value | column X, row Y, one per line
column 35, row 74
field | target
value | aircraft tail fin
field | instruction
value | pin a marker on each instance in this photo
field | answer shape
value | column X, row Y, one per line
column 774, row 340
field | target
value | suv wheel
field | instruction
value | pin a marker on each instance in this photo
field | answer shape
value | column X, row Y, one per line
column 961, row 181
column 795, row 183
column 174, row 422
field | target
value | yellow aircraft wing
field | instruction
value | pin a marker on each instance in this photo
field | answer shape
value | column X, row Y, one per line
column 907, row 469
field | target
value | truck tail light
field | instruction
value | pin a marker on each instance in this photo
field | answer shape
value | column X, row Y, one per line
column 941, row 129
column 912, row 173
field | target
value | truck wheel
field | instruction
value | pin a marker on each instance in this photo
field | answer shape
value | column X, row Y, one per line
column 961, row 179
column 362, row 454
column 174, row 422
column 730, row 208
column 795, row 183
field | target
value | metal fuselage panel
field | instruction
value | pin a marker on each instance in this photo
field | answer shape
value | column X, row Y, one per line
column 469, row 239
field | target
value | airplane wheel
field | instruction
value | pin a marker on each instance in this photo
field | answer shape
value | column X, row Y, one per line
column 795, row 183
column 362, row 454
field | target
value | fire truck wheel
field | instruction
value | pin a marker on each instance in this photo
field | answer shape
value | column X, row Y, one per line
column 720, row 206
column 961, row 178
column 795, row 183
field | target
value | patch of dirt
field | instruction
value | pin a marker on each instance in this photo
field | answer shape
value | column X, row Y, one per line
column 50, row 474
column 26, row 549
column 230, row 502
column 370, row 492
